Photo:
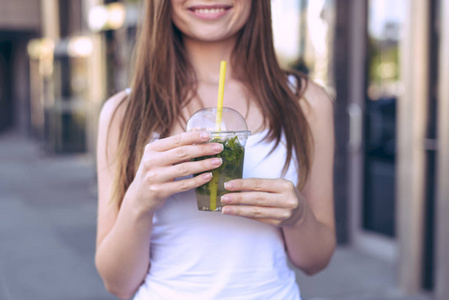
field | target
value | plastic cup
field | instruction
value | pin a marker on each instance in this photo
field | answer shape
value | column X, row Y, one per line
column 233, row 136
column 208, row 195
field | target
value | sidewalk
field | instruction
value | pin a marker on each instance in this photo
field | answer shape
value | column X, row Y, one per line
column 47, row 234
column 352, row 275
column 47, row 225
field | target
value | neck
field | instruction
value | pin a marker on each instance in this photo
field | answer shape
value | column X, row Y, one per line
column 206, row 56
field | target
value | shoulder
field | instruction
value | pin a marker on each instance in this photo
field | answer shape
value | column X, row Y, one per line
column 116, row 105
column 110, row 121
column 318, row 108
column 315, row 102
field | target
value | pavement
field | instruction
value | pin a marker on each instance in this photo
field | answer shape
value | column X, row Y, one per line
column 47, row 236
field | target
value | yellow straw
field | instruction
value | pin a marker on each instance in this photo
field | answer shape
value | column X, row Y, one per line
column 213, row 193
column 220, row 95
column 213, row 184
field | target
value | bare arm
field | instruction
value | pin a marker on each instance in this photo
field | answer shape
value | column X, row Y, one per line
column 122, row 256
column 307, row 218
column 311, row 241
column 123, row 235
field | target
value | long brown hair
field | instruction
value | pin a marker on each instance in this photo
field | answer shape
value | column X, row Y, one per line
column 164, row 83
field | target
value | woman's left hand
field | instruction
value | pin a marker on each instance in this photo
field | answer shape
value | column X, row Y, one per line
column 272, row 201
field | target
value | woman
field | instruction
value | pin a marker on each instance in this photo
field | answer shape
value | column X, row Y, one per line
column 152, row 242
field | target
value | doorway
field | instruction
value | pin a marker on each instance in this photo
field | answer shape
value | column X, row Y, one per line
column 6, row 83
column 375, row 88
column 382, row 91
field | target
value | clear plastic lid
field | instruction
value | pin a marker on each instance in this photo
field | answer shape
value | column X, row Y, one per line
column 204, row 119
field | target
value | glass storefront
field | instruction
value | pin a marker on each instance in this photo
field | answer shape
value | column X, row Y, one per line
column 385, row 19
column 304, row 37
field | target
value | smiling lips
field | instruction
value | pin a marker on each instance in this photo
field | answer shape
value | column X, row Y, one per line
column 209, row 12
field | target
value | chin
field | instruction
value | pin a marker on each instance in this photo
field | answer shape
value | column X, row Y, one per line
column 210, row 35
column 209, row 39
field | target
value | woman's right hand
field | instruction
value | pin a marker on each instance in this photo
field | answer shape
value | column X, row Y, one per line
column 169, row 158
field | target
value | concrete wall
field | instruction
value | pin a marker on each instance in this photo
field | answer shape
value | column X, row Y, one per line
column 442, row 236
column 19, row 14
column 412, row 113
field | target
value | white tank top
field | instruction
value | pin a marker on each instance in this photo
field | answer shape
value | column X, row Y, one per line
column 207, row 255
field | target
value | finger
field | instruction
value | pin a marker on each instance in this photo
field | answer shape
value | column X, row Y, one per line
column 268, row 221
column 256, row 199
column 188, row 184
column 188, row 168
column 185, row 153
column 258, row 212
column 259, row 184
column 185, row 138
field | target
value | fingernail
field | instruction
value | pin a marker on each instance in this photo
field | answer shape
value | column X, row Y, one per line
column 207, row 176
column 217, row 147
column 217, row 161
column 204, row 135
column 228, row 185
column 225, row 199
column 226, row 210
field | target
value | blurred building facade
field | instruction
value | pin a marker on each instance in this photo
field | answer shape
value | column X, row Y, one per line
column 19, row 22
column 385, row 62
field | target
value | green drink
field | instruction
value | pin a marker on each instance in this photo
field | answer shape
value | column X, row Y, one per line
column 208, row 195
column 232, row 132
